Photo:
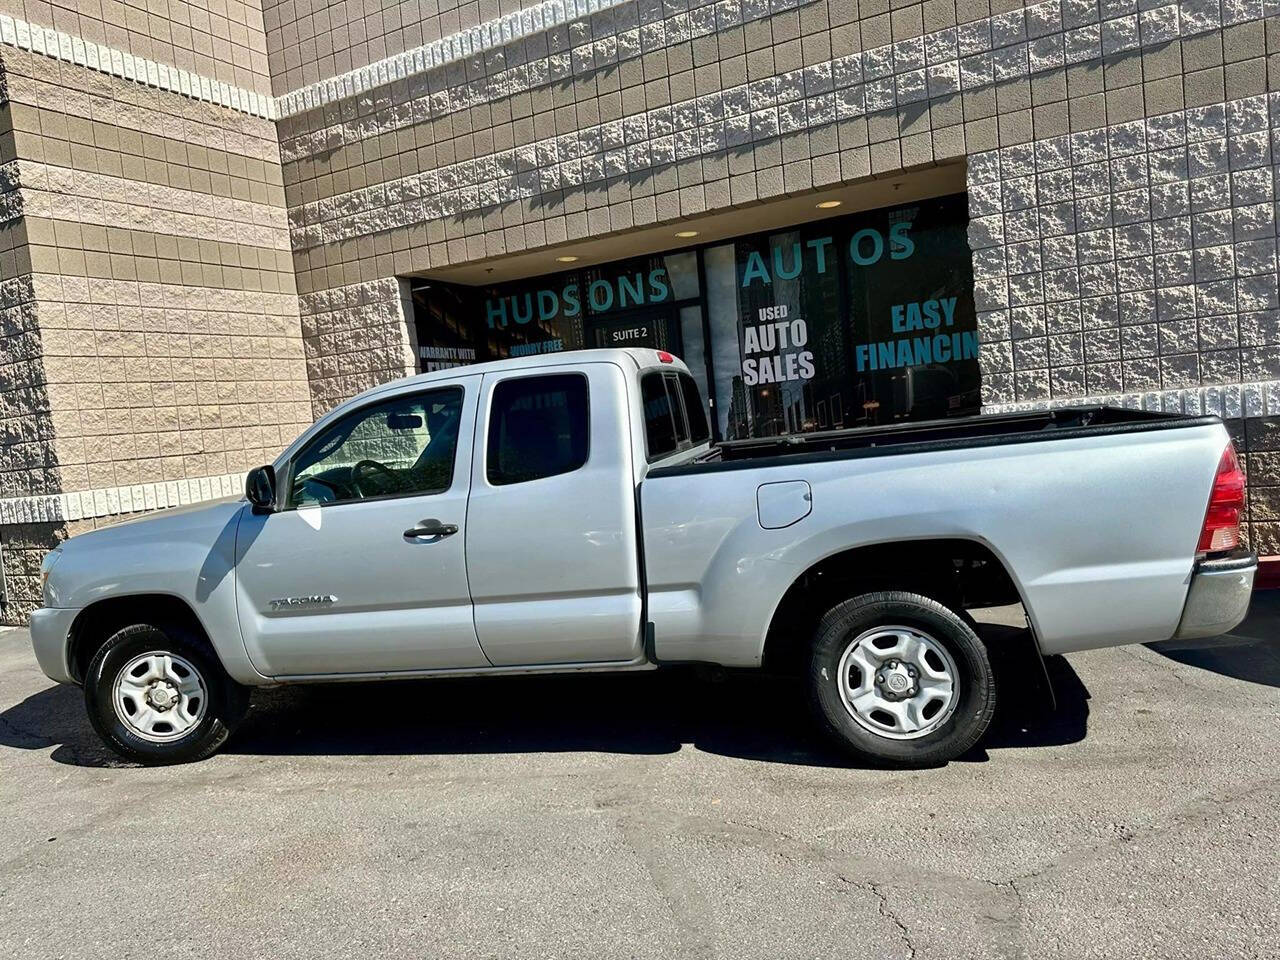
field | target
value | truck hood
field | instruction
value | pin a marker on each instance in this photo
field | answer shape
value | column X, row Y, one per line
column 188, row 520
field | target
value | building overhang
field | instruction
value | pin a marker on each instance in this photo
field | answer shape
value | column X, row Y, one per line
column 714, row 226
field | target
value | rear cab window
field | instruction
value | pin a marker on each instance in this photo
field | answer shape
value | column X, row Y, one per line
column 538, row 427
column 694, row 411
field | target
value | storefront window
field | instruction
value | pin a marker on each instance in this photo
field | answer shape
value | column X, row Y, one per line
column 851, row 322
column 855, row 321
column 693, row 346
column 631, row 303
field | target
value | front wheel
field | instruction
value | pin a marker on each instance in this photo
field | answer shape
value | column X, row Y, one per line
column 158, row 695
column 901, row 679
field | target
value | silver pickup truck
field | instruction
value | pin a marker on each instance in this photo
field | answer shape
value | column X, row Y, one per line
column 569, row 513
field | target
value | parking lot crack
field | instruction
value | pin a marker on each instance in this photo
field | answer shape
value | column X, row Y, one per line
column 670, row 884
column 882, row 898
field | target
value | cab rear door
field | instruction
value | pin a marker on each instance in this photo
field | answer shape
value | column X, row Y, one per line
column 551, row 538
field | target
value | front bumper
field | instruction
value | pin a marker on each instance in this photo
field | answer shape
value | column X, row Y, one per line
column 50, row 628
column 1219, row 595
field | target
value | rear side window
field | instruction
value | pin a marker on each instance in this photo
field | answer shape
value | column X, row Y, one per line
column 699, row 432
column 660, row 415
column 674, row 418
column 538, row 427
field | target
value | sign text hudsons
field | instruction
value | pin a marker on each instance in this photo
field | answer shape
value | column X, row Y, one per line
column 599, row 296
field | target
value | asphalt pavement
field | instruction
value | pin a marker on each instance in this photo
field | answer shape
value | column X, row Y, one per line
column 660, row 815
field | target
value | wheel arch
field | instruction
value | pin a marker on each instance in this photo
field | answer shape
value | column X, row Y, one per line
column 99, row 620
column 959, row 572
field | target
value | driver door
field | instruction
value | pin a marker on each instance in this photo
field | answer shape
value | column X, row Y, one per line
column 362, row 567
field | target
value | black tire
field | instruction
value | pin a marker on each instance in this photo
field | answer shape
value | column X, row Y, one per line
column 226, row 704
column 974, row 704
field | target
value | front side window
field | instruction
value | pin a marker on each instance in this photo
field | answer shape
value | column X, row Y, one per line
column 404, row 446
column 538, row 427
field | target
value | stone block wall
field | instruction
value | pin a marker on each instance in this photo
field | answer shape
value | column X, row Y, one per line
column 28, row 463
column 356, row 336
column 1258, row 441
column 223, row 40
column 1137, row 259
column 163, row 278
column 155, row 317
column 1112, row 151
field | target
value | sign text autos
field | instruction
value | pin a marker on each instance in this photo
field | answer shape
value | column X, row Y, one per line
column 866, row 247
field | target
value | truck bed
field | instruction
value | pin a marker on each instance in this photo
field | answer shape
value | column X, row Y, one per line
column 1093, row 512
column 922, row 436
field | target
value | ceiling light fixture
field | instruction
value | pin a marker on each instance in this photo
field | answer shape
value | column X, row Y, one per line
column 686, row 234
column 567, row 258
column 829, row 204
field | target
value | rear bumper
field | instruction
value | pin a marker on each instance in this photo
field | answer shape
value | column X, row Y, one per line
column 49, row 630
column 1219, row 596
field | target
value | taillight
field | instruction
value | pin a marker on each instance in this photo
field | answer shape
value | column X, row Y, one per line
column 664, row 357
column 1221, row 530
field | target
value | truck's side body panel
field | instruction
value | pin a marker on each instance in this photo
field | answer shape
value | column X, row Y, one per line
column 1094, row 514
column 1098, row 533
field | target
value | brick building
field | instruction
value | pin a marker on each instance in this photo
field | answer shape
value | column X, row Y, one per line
column 220, row 218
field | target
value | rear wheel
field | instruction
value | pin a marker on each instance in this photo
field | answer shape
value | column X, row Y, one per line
column 901, row 679
column 157, row 695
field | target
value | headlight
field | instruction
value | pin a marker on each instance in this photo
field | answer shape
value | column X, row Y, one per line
column 46, row 567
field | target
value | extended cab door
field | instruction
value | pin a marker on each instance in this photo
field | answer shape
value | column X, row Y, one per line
column 362, row 568
column 551, row 529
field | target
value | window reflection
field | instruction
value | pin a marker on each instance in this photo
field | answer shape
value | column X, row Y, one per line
column 851, row 322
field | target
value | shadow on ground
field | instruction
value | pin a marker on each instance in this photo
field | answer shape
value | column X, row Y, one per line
column 1249, row 652
column 735, row 714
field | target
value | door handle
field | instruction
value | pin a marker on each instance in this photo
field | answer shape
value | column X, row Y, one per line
column 431, row 528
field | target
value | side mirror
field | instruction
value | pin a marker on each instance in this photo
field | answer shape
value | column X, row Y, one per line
column 260, row 488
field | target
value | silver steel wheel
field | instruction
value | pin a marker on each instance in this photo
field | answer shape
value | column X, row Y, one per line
column 898, row 682
column 159, row 696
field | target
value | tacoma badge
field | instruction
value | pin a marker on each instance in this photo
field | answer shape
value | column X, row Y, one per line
column 315, row 600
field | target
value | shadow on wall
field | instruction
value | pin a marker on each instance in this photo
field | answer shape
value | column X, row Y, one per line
column 1249, row 652
column 734, row 714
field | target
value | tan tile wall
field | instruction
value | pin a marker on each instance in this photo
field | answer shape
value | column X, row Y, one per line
column 310, row 40
column 28, row 461
column 160, row 275
column 220, row 39
column 369, row 166
column 367, row 150
column 357, row 335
